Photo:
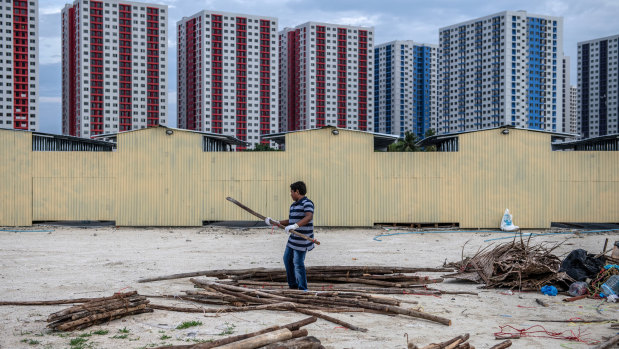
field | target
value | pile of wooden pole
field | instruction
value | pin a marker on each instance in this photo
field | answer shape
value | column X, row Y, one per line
column 459, row 342
column 274, row 337
column 99, row 310
column 236, row 298
column 385, row 277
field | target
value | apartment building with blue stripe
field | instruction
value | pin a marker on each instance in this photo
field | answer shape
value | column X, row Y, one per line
column 405, row 87
column 598, row 88
column 502, row 69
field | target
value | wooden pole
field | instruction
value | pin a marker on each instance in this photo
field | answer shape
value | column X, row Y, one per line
column 503, row 345
column 263, row 218
column 69, row 301
column 253, row 272
column 293, row 327
column 260, row 340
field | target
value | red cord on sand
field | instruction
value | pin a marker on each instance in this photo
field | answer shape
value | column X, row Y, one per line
column 542, row 333
column 121, row 290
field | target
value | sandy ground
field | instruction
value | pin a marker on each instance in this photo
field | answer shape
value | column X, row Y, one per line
column 74, row 262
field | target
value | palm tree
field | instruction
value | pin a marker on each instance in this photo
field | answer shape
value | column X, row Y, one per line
column 405, row 144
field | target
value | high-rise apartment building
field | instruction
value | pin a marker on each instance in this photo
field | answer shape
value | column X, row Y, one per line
column 114, row 64
column 598, row 63
column 19, row 65
column 405, row 88
column 326, row 77
column 565, row 94
column 227, row 74
column 501, row 69
column 574, row 120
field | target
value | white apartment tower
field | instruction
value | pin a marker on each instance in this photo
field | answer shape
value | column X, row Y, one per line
column 598, row 64
column 227, row 74
column 326, row 77
column 19, row 65
column 502, row 69
column 565, row 95
column 405, row 88
column 574, row 121
column 114, row 66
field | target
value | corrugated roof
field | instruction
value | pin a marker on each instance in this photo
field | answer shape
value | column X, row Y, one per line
column 443, row 137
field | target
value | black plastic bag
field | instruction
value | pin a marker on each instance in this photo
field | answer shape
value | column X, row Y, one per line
column 582, row 266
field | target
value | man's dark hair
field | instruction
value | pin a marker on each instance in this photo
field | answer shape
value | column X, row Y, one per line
column 300, row 186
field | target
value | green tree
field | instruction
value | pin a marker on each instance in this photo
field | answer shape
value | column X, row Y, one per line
column 429, row 133
column 262, row 147
column 405, row 144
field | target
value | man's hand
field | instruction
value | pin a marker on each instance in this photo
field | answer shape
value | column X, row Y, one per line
column 271, row 221
column 291, row 227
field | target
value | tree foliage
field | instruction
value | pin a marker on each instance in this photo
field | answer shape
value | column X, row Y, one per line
column 262, row 147
column 408, row 143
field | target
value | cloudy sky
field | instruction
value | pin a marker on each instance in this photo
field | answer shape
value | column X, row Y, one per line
column 392, row 20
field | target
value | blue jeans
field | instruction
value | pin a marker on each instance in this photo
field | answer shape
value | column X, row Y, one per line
column 295, row 268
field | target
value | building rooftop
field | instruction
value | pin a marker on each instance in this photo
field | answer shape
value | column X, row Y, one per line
column 229, row 140
column 601, row 143
column 448, row 142
column 381, row 140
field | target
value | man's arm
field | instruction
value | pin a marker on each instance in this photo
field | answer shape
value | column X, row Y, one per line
column 308, row 217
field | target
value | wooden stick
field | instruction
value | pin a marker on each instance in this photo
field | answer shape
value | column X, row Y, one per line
column 503, row 345
column 308, row 342
column 260, row 340
column 294, row 327
column 69, row 301
column 573, row 299
column 452, row 343
column 97, row 317
column 263, row 218
column 330, row 319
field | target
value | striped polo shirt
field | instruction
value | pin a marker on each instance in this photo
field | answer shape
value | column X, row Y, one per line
column 297, row 212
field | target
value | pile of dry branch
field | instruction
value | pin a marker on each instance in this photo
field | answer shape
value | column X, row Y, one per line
column 274, row 337
column 377, row 276
column 459, row 342
column 98, row 310
column 515, row 265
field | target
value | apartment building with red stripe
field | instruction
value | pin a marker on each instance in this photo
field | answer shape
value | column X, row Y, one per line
column 114, row 67
column 228, row 74
column 19, row 66
column 326, row 77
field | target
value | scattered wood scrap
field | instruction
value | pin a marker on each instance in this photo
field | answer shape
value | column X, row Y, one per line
column 609, row 343
column 459, row 342
column 274, row 337
column 99, row 310
column 513, row 265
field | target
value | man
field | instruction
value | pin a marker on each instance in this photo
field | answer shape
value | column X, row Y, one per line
column 301, row 220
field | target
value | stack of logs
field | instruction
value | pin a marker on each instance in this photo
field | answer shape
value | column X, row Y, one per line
column 274, row 337
column 99, row 310
column 237, row 298
column 459, row 342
